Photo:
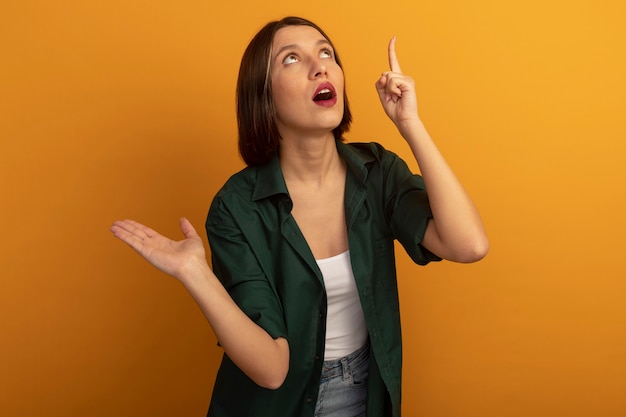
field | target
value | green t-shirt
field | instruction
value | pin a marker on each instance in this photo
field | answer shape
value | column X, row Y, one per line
column 263, row 260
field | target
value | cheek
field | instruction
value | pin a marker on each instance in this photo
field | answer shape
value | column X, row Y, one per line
column 339, row 78
column 282, row 92
column 283, row 100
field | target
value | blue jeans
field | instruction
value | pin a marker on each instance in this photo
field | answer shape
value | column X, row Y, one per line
column 343, row 386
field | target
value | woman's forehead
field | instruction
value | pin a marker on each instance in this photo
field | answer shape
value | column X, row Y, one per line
column 297, row 36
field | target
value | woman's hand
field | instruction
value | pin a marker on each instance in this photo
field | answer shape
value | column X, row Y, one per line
column 397, row 93
column 456, row 231
column 264, row 359
column 171, row 257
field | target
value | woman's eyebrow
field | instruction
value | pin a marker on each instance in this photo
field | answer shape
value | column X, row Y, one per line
column 296, row 46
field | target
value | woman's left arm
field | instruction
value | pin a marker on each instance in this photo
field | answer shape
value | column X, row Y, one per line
column 456, row 231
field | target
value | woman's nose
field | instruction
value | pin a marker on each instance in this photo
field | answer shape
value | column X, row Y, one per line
column 319, row 69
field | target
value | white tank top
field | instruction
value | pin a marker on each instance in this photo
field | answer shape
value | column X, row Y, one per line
column 345, row 323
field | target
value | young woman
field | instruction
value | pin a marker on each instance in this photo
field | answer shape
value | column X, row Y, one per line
column 303, row 295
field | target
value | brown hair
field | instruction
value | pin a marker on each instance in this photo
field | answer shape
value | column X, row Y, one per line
column 256, row 113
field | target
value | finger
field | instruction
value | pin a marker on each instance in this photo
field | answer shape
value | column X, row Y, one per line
column 381, row 88
column 391, row 85
column 187, row 228
column 135, row 228
column 130, row 238
column 394, row 65
column 381, row 84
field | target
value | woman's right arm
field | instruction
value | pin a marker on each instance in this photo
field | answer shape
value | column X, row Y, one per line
column 262, row 358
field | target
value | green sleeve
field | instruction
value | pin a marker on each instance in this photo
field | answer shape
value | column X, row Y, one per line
column 237, row 267
column 408, row 208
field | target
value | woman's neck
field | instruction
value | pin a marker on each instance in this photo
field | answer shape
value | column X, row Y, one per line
column 310, row 160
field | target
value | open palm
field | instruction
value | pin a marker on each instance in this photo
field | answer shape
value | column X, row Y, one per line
column 168, row 255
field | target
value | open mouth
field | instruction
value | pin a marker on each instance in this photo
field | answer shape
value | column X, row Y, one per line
column 324, row 94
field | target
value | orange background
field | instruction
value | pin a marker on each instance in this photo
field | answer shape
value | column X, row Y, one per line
column 115, row 109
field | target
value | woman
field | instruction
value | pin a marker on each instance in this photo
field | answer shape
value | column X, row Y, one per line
column 303, row 296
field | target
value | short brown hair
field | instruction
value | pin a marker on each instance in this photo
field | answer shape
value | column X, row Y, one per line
column 256, row 112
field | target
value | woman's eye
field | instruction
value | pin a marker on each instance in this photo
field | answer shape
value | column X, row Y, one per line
column 326, row 53
column 290, row 59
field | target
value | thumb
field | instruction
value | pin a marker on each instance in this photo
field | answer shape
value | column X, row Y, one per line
column 187, row 229
column 381, row 88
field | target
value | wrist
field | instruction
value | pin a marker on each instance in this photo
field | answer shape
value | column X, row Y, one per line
column 194, row 271
column 411, row 128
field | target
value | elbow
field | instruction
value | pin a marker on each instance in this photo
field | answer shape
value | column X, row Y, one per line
column 475, row 250
column 463, row 246
column 274, row 381
column 273, row 385
column 467, row 250
column 273, row 376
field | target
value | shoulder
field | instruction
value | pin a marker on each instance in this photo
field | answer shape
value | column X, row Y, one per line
column 242, row 182
column 252, row 189
column 367, row 150
column 236, row 192
column 370, row 157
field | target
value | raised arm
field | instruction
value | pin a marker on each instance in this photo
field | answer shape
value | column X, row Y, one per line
column 264, row 359
column 456, row 231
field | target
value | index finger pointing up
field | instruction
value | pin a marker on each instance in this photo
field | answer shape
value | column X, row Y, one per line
column 394, row 65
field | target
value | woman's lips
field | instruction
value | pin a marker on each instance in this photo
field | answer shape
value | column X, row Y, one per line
column 327, row 103
column 325, row 95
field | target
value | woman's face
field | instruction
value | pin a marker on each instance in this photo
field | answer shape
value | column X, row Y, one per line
column 307, row 83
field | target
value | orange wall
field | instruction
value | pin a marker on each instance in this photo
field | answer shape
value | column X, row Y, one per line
column 116, row 109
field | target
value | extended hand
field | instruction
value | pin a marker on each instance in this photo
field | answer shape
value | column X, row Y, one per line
column 167, row 255
column 397, row 92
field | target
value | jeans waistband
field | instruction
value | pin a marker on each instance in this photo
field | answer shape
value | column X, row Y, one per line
column 342, row 366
